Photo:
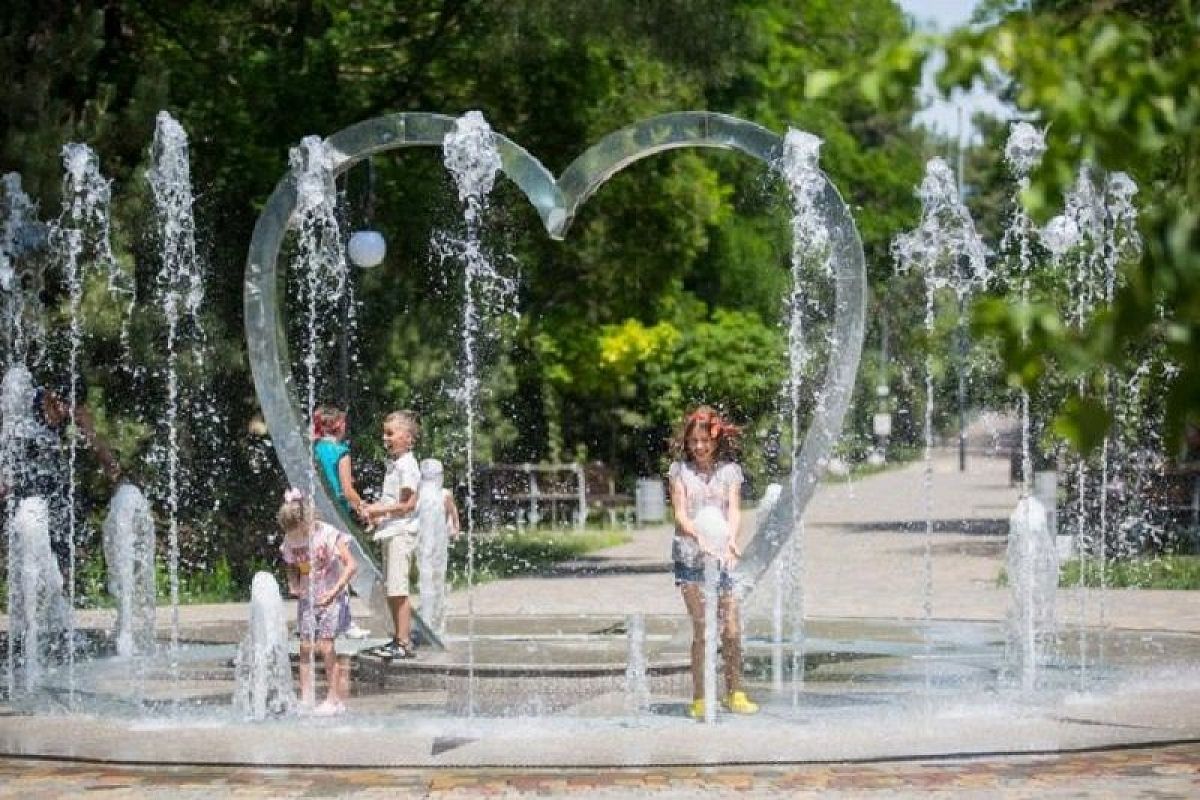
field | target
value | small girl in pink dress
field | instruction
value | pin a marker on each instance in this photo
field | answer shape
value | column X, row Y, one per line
column 319, row 568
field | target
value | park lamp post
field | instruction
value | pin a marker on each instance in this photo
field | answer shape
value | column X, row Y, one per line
column 366, row 248
column 881, row 421
column 881, row 426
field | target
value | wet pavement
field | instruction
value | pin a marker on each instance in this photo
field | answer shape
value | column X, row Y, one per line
column 864, row 553
column 1158, row 772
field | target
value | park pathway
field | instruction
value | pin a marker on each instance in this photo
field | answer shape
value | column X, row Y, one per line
column 864, row 549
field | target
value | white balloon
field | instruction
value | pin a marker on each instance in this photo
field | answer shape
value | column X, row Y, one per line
column 367, row 248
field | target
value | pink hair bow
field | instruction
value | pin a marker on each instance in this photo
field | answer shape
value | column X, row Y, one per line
column 293, row 495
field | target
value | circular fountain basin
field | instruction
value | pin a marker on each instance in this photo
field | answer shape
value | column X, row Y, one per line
column 551, row 692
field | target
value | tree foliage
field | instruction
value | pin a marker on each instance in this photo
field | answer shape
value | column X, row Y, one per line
column 666, row 293
column 1114, row 84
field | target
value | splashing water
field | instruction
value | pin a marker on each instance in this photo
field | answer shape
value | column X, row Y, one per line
column 128, row 534
column 80, row 237
column 713, row 530
column 1102, row 211
column 1023, row 152
column 1032, row 566
column 22, row 315
column 637, row 683
column 39, row 610
column 1024, row 149
column 434, row 545
column 949, row 254
column 1031, row 546
column 262, row 669
column 944, row 246
column 1059, row 236
column 181, row 292
column 323, row 273
column 811, row 259
column 471, row 155
column 320, row 255
column 18, row 433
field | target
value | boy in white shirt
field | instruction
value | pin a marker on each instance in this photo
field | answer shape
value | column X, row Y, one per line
column 395, row 518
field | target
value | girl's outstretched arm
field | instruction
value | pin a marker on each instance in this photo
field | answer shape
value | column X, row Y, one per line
column 735, row 518
column 679, row 506
column 452, row 521
column 346, row 479
column 349, row 567
column 293, row 581
column 381, row 510
column 104, row 454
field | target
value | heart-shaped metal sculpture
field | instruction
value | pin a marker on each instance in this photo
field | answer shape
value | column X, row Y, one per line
column 557, row 202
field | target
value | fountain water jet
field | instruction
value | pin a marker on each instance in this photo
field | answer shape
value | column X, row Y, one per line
column 40, row 610
column 1101, row 213
column 128, row 534
column 472, row 156
column 262, row 669
column 949, row 255
column 22, row 316
column 181, row 293
column 1032, row 567
column 637, row 685
column 81, row 239
column 1032, row 563
column 434, row 545
column 810, row 256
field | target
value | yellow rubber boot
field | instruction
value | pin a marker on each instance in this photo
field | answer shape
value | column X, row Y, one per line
column 738, row 703
column 696, row 710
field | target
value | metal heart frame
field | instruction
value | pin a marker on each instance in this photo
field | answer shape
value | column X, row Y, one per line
column 557, row 202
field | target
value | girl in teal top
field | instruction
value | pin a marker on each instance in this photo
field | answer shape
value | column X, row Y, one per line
column 332, row 454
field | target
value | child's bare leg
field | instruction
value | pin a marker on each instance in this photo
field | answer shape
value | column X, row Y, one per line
column 731, row 642
column 693, row 599
column 307, row 695
column 400, row 625
column 329, row 659
column 401, row 617
column 343, row 673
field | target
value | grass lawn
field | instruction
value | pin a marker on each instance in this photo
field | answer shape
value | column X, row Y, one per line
column 506, row 554
column 1163, row 572
column 497, row 556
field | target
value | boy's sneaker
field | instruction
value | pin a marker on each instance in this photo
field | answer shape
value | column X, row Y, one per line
column 394, row 649
column 355, row 632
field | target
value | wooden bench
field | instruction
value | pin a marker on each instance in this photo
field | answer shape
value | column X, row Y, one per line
column 600, row 484
column 531, row 493
column 1175, row 495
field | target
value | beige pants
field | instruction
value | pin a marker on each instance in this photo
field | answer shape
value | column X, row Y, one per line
column 397, row 563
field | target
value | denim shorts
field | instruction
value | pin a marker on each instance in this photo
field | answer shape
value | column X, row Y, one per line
column 685, row 574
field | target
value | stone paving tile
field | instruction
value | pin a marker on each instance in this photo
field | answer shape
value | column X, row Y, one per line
column 1159, row 772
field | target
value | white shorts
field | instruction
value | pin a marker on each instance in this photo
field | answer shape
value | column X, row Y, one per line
column 397, row 563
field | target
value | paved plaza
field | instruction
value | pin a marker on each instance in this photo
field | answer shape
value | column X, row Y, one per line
column 863, row 553
column 1128, row 774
